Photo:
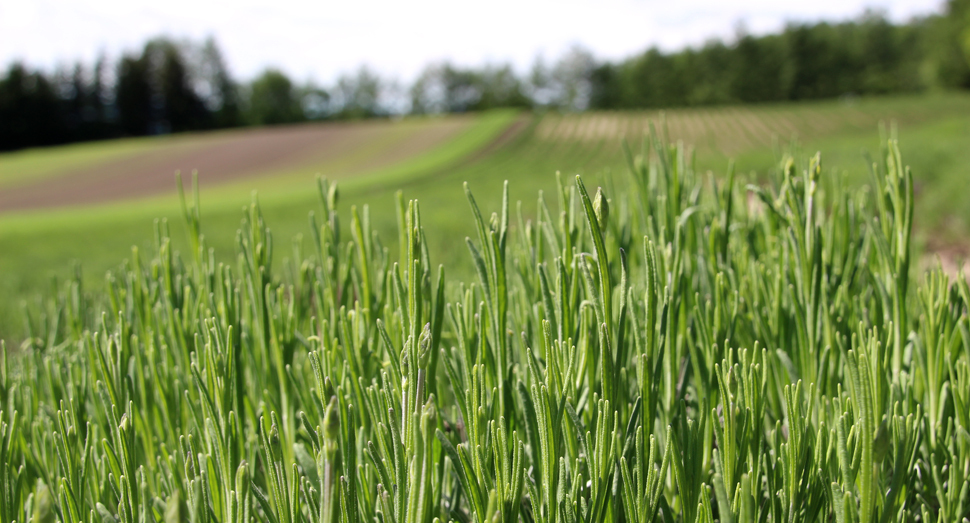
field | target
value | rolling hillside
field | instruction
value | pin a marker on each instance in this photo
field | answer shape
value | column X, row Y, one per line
column 92, row 202
column 138, row 168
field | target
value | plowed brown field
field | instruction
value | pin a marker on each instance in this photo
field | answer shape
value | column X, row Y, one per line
column 335, row 149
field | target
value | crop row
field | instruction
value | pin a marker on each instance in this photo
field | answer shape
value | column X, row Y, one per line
column 686, row 350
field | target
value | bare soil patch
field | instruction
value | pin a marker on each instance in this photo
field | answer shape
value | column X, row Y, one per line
column 349, row 148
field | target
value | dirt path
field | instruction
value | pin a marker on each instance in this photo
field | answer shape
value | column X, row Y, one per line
column 351, row 148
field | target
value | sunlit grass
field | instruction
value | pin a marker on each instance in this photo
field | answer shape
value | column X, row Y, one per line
column 666, row 347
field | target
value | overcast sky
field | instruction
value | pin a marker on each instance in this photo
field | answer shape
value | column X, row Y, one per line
column 319, row 40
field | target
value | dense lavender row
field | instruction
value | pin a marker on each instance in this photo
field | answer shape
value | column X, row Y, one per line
column 665, row 348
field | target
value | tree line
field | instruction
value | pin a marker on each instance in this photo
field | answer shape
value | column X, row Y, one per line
column 175, row 86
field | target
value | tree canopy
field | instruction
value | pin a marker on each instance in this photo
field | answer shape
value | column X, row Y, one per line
column 174, row 86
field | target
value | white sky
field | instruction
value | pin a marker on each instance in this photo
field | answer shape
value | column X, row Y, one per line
column 321, row 39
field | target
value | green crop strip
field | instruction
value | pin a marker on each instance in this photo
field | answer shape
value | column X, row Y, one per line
column 664, row 349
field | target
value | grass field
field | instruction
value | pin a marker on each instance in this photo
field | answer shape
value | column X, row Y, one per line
column 114, row 206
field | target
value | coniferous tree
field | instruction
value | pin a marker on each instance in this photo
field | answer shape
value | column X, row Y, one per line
column 133, row 96
column 605, row 87
column 223, row 94
column 29, row 110
column 177, row 106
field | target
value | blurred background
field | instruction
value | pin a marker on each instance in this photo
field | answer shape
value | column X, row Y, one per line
column 92, row 70
column 102, row 102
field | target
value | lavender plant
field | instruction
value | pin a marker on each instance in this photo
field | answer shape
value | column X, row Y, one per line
column 662, row 349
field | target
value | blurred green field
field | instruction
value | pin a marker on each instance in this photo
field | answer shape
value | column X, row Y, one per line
column 38, row 245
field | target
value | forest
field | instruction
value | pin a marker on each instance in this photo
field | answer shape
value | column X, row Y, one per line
column 174, row 86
